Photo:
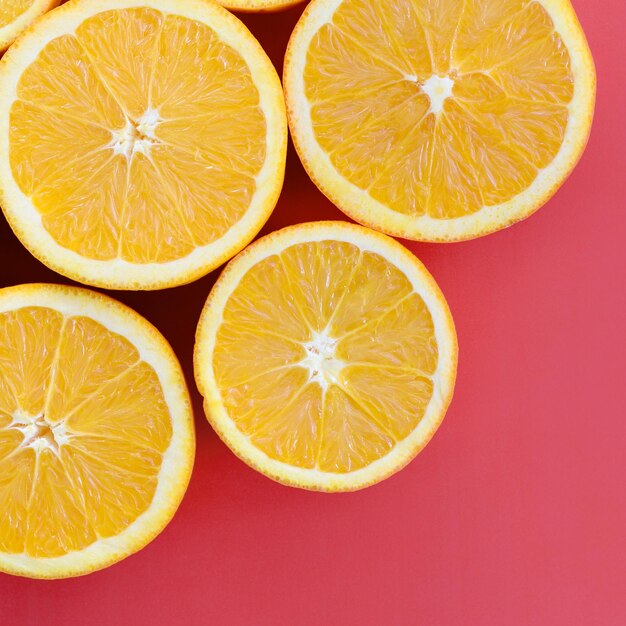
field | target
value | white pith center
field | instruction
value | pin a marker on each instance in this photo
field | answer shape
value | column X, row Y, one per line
column 320, row 360
column 136, row 136
column 39, row 434
column 438, row 89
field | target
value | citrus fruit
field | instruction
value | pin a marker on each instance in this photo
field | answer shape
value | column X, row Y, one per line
column 96, row 431
column 326, row 355
column 16, row 15
column 439, row 120
column 142, row 144
column 258, row 6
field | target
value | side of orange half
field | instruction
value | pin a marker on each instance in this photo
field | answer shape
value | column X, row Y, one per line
column 439, row 120
column 17, row 15
column 96, row 431
column 326, row 355
column 142, row 144
column 258, row 6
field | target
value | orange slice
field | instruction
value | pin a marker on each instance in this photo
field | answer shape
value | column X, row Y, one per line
column 326, row 355
column 258, row 6
column 16, row 15
column 96, row 431
column 439, row 120
column 142, row 143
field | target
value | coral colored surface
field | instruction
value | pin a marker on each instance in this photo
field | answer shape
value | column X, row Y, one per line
column 515, row 512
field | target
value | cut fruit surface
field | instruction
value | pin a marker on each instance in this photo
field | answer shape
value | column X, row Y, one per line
column 439, row 120
column 326, row 355
column 96, row 431
column 17, row 15
column 141, row 144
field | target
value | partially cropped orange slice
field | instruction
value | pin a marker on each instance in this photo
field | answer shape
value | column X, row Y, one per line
column 96, row 431
column 439, row 120
column 258, row 6
column 142, row 144
column 16, row 15
column 326, row 355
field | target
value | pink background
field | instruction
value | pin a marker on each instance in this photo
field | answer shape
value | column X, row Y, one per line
column 514, row 514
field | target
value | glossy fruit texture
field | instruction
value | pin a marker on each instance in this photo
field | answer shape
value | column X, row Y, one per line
column 96, row 433
column 144, row 147
column 439, row 119
column 326, row 355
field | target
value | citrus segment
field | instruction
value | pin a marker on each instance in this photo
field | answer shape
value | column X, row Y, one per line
column 56, row 523
column 146, row 428
column 27, row 349
column 407, row 344
column 236, row 342
column 122, row 47
column 326, row 355
column 292, row 435
column 144, row 144
column 439, row 120
column 352, row 439
column 96, row 434
column 313, row 267
column 16, row 484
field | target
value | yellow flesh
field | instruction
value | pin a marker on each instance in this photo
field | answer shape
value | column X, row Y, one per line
column 370, row 384
column 11, row 9
column 137, row 137
column 367, row 74
column 83, row 429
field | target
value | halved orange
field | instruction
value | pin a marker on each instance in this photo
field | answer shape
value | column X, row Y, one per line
column 439, row 120
column 326, row 355
column 16, row 15
column 96, row 431
column 258, row 6
column 142, row 144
